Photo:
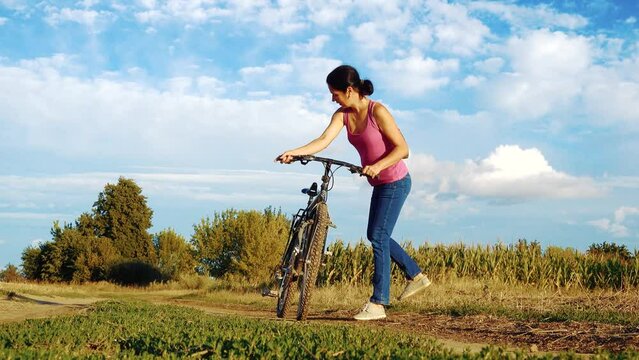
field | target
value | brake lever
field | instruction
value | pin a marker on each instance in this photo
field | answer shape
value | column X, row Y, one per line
column 357, row 170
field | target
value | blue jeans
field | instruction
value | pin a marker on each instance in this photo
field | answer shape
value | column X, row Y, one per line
column 386, row 203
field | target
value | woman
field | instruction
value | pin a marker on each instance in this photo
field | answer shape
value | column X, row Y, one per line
column 381, row 146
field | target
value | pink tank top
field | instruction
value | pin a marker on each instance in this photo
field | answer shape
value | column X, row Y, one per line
column 372, row 146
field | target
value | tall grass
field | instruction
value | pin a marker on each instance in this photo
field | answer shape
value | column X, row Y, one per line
column 523, row 263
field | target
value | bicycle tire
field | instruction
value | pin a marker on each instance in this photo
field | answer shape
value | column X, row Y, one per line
column 285, row 283
column 313, row 258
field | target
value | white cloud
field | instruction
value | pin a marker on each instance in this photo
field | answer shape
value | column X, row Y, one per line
column 313, row 46
column 526, row 17
column 33, row 216
column 305, row 73
column 328, row 13
column 50, row 65
column 422, row 37
column 413, row 76
column 196, row 11
column 568, row 77
column 547, row 74
column 78, row 191
column 270, row 77
column 3, row 20
column 631, row 20
column 513, row 172
column 368, row 37
column 508, row 173
column 455, row 31
column 623, row 182
column 88, row 3
column 608, row 49
column 209, row 86
column 611, row 95
column 14, row 4
column 150, row 16
column 616, row 226
column 149, row 4
column 284, row 19
column 623, row 212
column 471, row 81
column 90, row 18
column 544, row 54
column 491, row 65
column 206, row 86
column 132, row 120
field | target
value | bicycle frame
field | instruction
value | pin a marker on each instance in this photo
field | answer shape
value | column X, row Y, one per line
column 322, row 196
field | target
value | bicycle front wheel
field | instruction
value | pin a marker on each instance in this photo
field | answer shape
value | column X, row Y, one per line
column 285, row 278
column 316, row 239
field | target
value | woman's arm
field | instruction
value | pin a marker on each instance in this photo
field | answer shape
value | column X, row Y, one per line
column 318, row 144
column 390, row 130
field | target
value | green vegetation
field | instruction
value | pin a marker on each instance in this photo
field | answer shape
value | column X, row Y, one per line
column 112, row 243
column 174, row 255
column 127, row 330
column 115, row 232
column 242, row 246
column 122, row 215
column 10, row 274
column 602, row 267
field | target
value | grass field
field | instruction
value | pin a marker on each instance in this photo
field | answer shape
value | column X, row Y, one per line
column 126, row 329
column 455, row 319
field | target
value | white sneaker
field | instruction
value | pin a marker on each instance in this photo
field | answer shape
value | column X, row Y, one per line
column 371, row 311
column 419, row 283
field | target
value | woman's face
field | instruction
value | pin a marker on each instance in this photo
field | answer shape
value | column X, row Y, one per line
column 339, row 96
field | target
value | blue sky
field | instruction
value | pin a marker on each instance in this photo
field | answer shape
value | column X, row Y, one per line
column 522, row 117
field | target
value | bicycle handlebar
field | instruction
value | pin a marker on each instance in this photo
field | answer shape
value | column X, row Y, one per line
column 305, row 159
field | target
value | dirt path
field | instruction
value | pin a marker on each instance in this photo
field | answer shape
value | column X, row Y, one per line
column 475, row 332
column 472, row 332
column 16, row 307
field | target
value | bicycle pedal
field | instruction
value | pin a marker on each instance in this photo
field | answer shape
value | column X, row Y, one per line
column 328, row 253
column 331, row 224
column 268, row 292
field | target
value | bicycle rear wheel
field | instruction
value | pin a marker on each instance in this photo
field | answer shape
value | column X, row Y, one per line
column 316, row 239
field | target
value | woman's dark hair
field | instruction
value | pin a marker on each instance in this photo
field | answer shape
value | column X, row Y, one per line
column 344, row 76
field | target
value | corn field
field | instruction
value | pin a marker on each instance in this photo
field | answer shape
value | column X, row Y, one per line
column 521, row 263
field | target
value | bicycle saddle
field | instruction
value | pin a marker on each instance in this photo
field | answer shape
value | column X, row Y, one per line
column 312, row 191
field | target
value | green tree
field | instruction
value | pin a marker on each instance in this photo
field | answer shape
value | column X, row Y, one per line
column 122, row 215
column 101, row 256
column 31, row 263
column 116, row 231
column 86, row 257
column 244, row 245
column 174, row 254
column 10, row 274
column 51, row 259
column 73, row 254
column 86, row 225
column 607, row 250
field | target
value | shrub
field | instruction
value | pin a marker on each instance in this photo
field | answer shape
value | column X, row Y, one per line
column 134, row 272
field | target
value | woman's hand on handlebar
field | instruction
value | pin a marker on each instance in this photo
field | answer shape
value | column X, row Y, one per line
column 285, row 158
column 371, row 170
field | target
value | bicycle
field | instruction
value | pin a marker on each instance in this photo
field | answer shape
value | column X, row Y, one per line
column 304, row 250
